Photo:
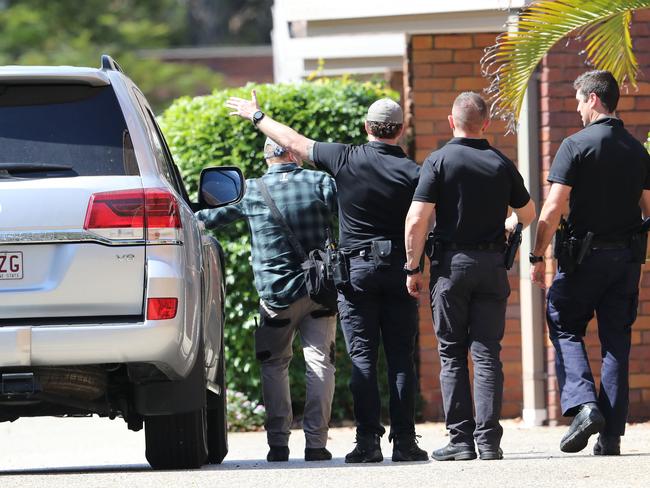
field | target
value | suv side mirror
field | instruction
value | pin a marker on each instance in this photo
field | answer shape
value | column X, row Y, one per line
column 221, row 186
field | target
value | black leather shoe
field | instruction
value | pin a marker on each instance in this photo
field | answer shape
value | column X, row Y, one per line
column 277, row 454
column 405, row 448
column 608, row 445
column 587, row 422
column 317, row 454
column 490, row 453
column 453, row 452
column 368, row 450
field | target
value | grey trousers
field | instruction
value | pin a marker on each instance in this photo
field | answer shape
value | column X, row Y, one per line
column 273, row 347
column 469, row 292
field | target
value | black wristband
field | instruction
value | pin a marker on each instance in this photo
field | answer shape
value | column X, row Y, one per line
column 535, row 259
column 411, row 272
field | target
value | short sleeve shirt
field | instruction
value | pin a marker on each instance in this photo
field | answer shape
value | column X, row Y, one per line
column 375, row 184
column 607, row 170
column 472, row 184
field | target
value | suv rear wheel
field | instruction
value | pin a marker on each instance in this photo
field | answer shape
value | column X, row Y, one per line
column 177, row 441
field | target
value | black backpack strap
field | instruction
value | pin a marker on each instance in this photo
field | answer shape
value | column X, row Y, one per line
column 293, row 240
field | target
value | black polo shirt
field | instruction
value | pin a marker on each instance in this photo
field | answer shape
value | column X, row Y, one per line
column 375, row 184
column 607, row 170
column 472, row 185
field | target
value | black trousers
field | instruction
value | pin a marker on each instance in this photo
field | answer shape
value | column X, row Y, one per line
column 607, row 283
column 374, row 308
column 469, row 291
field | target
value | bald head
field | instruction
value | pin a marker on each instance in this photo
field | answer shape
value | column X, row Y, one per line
column 470, row 112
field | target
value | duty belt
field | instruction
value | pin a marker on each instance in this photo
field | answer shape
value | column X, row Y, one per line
column 610, row 244
column 481, row 246
column 356, row 251
column 366, row 250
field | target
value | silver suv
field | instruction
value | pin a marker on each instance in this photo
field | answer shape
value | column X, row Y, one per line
column 111, row 296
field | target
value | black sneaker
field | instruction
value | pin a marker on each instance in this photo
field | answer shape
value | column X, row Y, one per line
column 608, row 445
column 368, row 450
column 452, row 452
column 317, row 454
column 277, row 454
column 405, row 448
column 587, row 422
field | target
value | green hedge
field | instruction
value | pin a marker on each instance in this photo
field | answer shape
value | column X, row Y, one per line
column 201, row 133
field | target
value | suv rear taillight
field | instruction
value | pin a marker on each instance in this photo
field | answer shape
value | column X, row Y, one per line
column 161, row 308
column 134, row 214
column 163, row 221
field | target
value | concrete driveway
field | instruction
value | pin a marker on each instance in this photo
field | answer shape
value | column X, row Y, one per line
column 101, row 453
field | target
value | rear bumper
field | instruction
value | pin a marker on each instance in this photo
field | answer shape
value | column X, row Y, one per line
column 159, row 342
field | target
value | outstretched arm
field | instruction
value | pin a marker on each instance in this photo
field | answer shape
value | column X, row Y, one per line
column 280, row 133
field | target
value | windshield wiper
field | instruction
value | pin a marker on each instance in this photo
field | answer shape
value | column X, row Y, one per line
column 33, row 167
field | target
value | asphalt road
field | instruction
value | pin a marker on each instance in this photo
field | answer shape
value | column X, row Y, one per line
column 95, row 452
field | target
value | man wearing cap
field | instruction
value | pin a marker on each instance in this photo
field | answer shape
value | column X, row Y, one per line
column 375, row 183
column 307, row 201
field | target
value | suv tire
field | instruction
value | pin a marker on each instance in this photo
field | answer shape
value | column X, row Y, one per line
column 180, row 440
column 177, row 441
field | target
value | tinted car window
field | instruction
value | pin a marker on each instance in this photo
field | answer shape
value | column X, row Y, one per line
column 77, row 126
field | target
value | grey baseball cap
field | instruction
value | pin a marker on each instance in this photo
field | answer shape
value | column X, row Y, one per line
column 385, row 110
column 272, row 149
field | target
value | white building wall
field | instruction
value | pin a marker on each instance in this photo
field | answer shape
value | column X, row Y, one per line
column 369, row 36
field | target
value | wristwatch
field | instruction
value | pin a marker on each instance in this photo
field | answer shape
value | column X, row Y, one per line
column 257, row 116
column 535, row 259
column 411, row 272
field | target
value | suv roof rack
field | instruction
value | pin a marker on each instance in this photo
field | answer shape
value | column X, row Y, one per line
column 109, row 63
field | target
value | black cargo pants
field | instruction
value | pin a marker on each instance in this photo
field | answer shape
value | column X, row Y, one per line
column 377, row 305
column 469, row 291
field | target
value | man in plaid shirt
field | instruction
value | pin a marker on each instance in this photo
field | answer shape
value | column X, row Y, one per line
column 307, row 201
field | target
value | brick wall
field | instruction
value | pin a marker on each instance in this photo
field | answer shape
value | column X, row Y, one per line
column 438, row 68
column 559, row 119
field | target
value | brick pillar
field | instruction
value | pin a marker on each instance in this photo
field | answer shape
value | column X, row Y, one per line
column 438, row 68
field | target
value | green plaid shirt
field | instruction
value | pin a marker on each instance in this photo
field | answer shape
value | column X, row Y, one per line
column 307, row 201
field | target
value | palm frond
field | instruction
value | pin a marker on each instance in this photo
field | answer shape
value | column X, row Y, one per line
column 604, row 24
column 610, row 47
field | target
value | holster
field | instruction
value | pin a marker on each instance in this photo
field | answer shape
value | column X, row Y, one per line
column 381, row 251
column 433, row 249
column 514, row 241
column 570, row 252
column 563, row 248
column 338, row 267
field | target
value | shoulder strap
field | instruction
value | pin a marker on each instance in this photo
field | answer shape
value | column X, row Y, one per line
column 293, row 240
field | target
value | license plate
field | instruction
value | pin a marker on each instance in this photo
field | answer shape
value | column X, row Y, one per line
column 11, row 265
